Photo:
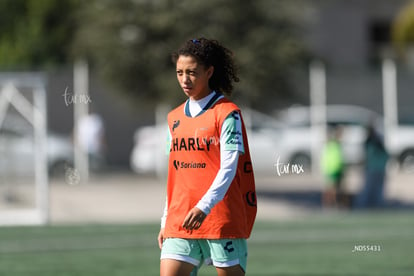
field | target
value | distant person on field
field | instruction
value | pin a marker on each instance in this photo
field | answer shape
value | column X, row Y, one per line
column 376, row 158
column 333, row 168
column 91, row 139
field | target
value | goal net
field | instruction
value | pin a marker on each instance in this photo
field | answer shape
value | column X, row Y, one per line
column 23, row 150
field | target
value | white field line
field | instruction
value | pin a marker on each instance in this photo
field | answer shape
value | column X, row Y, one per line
column 322, row 235
column 76, row 243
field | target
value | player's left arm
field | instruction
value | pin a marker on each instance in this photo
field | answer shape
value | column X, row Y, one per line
column 231, row 141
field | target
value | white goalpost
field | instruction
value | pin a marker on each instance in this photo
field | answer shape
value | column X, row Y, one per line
column 23, row 150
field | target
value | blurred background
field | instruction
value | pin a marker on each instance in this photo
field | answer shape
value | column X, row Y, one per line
column 326, row 92
column 86, row 86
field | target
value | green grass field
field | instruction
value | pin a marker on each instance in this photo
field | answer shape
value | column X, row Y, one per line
column 315, row 245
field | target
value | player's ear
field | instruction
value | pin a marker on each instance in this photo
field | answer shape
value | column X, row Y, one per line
column 210, row 71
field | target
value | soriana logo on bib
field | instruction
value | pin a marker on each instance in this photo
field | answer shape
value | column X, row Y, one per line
column 189, row 165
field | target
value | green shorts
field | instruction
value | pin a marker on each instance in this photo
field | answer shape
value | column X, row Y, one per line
column 220, row 253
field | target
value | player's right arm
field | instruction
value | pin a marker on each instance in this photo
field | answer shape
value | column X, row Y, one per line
column 163, row 219
column 161, row 237
column 164, row 215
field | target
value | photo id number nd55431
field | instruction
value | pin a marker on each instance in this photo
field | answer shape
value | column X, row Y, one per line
column 367, row 248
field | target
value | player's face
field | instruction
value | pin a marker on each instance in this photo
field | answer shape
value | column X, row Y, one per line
column 193, row 77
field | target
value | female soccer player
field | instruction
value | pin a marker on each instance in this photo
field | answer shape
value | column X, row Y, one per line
column 211, row 202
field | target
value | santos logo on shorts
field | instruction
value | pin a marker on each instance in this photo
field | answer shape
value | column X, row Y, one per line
column 188, row 165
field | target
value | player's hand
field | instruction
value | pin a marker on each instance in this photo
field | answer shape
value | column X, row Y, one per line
column 194, row 219
column 161, row 237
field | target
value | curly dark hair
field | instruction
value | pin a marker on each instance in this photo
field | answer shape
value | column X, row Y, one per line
column 210, row 52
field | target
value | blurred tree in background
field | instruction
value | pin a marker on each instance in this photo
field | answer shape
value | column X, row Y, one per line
column 35, row 34
column 403, row 30
column 129, row 43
